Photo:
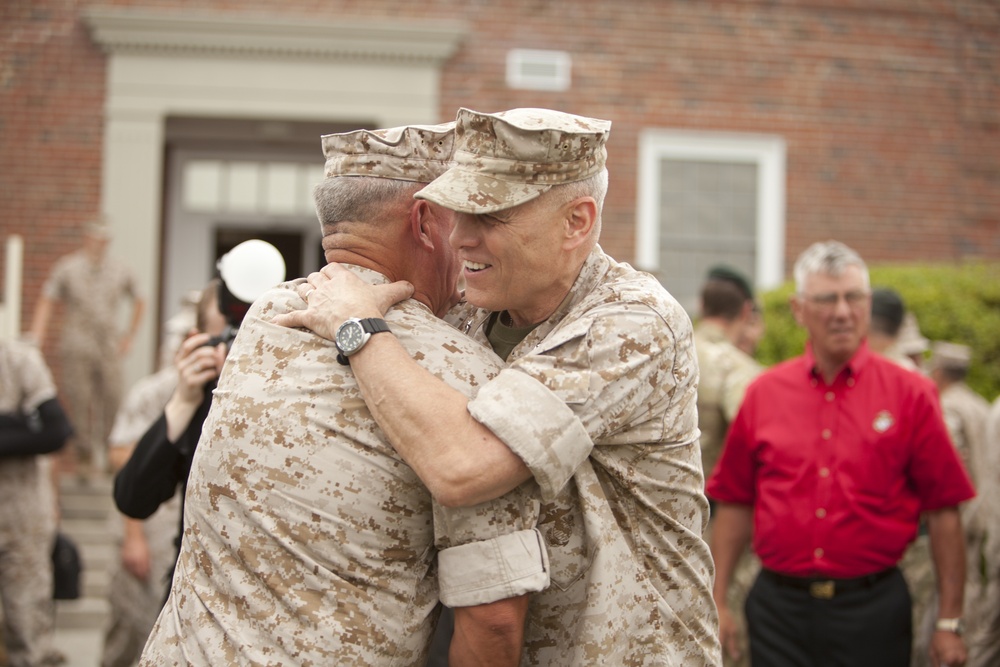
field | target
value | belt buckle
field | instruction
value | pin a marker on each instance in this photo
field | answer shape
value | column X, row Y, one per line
column 823, row 590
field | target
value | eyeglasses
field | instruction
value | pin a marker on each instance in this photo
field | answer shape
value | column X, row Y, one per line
column 831, row 299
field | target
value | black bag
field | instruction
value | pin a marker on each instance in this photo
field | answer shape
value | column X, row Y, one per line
column 66, row 568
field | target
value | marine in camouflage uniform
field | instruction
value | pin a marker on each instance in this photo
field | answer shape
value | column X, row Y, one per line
column 308, row 540
column 727, row 307
column 598, row 403
column 91, row 287
column 135, row 603
column 988, row 649
column 966, row 414
column 31, row 423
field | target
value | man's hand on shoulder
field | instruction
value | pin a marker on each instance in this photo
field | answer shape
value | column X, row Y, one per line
column 335, row 294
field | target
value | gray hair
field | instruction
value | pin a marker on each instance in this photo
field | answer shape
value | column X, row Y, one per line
column 828, row 257
column 595, row 186
column 360, row 199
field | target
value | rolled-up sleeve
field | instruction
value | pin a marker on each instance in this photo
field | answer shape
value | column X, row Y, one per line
column 537, row 425
column 494, row 569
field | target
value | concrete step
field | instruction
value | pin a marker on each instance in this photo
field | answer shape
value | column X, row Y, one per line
column 87, row 612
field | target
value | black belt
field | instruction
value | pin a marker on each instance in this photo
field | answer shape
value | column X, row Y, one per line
column 824, row 589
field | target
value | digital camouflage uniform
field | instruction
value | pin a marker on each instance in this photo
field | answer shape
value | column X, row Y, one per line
column 27, row 524
column 988, row 650
column 966, row 414
column 599, row 401
column 91, row 362
column 308, row 540
column 134, row 604
column 724, row 373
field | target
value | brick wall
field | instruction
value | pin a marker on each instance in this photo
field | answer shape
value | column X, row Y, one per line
column 889, row 107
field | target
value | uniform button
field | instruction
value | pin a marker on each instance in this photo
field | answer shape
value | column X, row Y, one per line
column 826, row 434
column 829, row 396
column 821, row 513
column 824, row 472
column 818, row 552
column 850, row 382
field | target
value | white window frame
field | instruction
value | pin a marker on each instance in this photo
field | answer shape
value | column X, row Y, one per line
column 766, row 151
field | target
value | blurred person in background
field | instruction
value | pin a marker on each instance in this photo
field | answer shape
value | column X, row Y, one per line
column 32, row 425
column 828, row 466
column 888, row 315
column 91, row 286
column 966, row 414
column 147, row 549
column 729, row 318
column 158, row 466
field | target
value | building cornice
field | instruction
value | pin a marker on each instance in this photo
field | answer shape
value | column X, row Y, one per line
column 119, row 31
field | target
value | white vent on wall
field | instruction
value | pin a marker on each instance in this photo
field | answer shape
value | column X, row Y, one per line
column 529, row 69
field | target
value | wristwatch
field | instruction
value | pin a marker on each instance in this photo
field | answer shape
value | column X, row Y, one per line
column 354, row 333
column 955, row 625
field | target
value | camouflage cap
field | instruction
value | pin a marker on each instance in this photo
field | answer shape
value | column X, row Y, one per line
column 950, row 355
column 418, row 153
column 509, row 158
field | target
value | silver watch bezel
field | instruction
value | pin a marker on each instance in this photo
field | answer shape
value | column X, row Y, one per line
column 353, row 322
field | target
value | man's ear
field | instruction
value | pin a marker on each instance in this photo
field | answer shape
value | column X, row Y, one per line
column 581, row 216
column 795, row 303
column 423, row 225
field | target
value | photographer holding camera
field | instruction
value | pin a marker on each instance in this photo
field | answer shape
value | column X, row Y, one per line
column 162, row 458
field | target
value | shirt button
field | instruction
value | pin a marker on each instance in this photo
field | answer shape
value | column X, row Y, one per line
column 850, row 382
column 824, row 472
column 821, row 513
column 826, row 434
column 818, row 552
column 829, row 396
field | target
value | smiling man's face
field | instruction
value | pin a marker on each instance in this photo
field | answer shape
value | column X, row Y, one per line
column 514, row 260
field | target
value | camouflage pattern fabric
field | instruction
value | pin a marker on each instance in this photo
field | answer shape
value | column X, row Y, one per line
column 91, row 384
column 27, row 524
column 599, row 401
column 509, row 158
column 986, row 648
column 134, row 604
column 308, row 541
column 725, row 371
column 966, row 414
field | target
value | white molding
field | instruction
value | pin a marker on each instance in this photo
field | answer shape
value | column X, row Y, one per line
column 245, row 66
column 766, row 151
column 138, row 31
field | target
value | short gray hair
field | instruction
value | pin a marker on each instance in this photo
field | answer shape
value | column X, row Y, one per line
column 828, row 257
column 360, row 199
column 595, row 186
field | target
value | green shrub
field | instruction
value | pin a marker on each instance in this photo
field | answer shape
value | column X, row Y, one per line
column 959, row 303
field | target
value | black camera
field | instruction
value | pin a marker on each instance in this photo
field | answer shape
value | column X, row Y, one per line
column 226, row 337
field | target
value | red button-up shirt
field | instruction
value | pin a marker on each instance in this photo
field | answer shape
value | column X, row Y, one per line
column 838, row 475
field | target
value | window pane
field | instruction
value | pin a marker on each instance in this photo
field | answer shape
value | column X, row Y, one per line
column 310, row 176
column 281, row 190
column 201, row 181
column 708, row 216
column 242, row 184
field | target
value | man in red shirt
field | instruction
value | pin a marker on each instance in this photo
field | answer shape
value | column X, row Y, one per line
column 828, row 465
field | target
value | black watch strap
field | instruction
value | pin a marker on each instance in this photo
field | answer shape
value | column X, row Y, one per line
column 374, row 325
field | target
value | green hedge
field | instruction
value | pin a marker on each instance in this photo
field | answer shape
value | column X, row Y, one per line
column 957, row 303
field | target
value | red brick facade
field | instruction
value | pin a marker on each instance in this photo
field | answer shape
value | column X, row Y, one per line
column 890, row 108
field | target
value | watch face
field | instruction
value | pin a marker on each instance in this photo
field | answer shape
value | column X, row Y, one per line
column 350, row 336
